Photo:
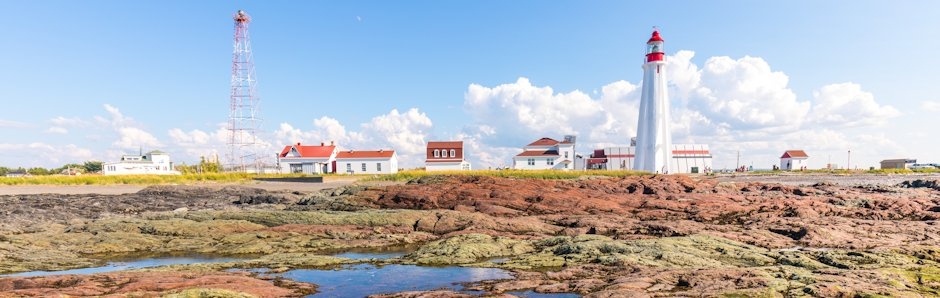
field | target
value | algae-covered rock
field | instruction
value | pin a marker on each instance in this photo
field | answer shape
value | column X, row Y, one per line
column 468, row 248
column 207, row 293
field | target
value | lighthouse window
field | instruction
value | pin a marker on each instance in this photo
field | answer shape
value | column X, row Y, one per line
column 654, row 48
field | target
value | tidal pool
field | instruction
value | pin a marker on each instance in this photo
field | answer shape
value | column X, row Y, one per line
column 127, row 265
column 367, row 279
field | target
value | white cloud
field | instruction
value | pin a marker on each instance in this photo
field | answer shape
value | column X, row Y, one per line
column 930, row 106
column 405, row 132
column 846, row 105
column 520, row 112
column 39, row 154
column 69, row 122
column 134, row 138
column 13, row 124
column 743, row 93
column 57, row 130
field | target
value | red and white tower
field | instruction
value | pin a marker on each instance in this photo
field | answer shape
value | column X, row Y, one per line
column 245, row 116
column 654, row 140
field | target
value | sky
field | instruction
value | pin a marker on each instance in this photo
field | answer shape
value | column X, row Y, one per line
column 849, row 82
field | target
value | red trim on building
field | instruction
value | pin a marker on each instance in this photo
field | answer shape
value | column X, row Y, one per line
column 365, row 154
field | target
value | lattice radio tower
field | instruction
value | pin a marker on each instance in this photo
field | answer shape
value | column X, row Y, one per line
column 245, row 116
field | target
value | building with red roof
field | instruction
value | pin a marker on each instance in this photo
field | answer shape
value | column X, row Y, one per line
column 367, row 162
column 445, row 156
column 547, row 154
column 307, row 159
column 793, row 159
column 686, row 159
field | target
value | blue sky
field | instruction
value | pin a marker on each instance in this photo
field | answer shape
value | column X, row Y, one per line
column 91, row 80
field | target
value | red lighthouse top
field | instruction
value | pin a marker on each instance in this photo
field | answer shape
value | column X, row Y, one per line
column 654, row 51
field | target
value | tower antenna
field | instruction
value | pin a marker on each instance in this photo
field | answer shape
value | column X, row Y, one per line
column 244, row 115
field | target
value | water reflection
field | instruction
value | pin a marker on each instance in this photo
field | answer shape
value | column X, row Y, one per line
column 366, row 279
column 128, row 265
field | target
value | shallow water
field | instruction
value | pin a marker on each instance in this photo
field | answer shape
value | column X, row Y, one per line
column 531, row 294
column 367, row 279
column 128, row 265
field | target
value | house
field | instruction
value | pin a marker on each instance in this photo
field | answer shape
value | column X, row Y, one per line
column 546, row 154
column 307, row 159
column 686, row 158
column 901, row 163
column 153, row 163
column 367, row 162
column 793, row 159
column 446, row 156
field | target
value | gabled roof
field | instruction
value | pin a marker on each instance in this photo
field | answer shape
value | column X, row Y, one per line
column 544, row 142
column 445, row 144
column 794, row 154
column 309, row 151
column 539, row 153
column 365, row 154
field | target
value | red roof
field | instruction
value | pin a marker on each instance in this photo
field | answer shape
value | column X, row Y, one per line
column 444, row 149
column 539, row 153
column 365, row 154
column 544, row 142
column 655, row 37
column 794, row 154
column 309, row 151
column 445, row 145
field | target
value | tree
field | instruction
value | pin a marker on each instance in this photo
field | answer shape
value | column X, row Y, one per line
column 207, row 166
column 38, row 171
column 93, row 166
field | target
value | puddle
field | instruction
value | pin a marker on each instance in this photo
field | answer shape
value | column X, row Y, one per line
column 367, row 279
column 531, row 294
column 370, row 255
column 128, row 265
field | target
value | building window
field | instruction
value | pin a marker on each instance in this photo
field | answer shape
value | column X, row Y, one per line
column 348, row 168
column 363, row 167
column 296, row 168
column 566, row 154
column 437, row 153
column 550, row 162
column 453, row 153
column 378, row 167
column 531, row 161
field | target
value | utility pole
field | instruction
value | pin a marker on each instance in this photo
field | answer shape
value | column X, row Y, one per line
column 848, row 160
column 737, row 163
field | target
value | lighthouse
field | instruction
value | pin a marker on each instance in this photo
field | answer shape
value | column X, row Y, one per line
column 653, row 138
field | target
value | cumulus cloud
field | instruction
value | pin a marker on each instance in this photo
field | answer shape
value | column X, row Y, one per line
column 45, row 154
column 521, row 112
column 132, row 137
column 930, row 106
column 403, row 131
column 746, row 94
column 846, row 105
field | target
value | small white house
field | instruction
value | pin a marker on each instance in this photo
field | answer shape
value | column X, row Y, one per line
column 307, row 159
column 367, row 162
column 793, row 159
column 446, row 156
column 154, row 163
column 546, row 154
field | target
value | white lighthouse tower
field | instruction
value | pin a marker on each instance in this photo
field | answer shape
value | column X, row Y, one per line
column 653, row 140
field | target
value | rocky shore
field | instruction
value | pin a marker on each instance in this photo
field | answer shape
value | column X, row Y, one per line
column 644, row 236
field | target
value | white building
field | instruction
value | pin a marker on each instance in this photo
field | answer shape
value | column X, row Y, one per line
column 793, row 159
column 546, row 154
column 446, row 156
column 686, row 159
column 153, row 163
column 654, row 139
column 367, row 162
column 307, row 159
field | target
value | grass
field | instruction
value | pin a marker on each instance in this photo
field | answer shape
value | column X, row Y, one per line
column 136, row 179
column 531, row 174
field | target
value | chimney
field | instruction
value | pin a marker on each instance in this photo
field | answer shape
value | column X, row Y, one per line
column 298, row 143
column 331, row 143
column 380, row 150
column 321, row 144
